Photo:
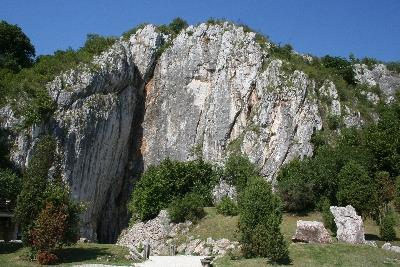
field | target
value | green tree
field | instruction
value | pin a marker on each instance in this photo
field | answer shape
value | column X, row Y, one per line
column 387, row 229
column 357, row 188
column 296, row 186
column 238, row 169
column 188, row 208
column 9, row 189
column 16, row 50
column 260, row 217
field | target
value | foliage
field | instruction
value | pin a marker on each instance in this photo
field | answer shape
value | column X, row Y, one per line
column 387, row 227
column 356, row 188
column 188, row 208
column 397, row 194
column 295, row 186
column 16, row 50
column 172, row 29
column 47, row 258
column 327, row 216
column 41, row 197
column 393, row 66
column 227, row 207
column 26, row 90
column 9, row 189
column 238, row 169
column 159, row 185
column 47, row 232
column 340, row 66
column 34, row 182
column 260, row 216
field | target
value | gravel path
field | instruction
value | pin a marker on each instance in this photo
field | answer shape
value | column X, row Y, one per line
column 172, row 261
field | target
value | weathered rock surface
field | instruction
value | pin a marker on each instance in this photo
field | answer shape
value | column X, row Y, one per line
column 350, row 227
column 311, row 232
column 223, row 189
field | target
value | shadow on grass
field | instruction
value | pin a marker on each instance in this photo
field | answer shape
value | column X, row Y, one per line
column 371, row 237
column 7, row 248
column 69, row 255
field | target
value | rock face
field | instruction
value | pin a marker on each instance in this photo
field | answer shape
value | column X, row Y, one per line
column 311, row 232
column 350, row 227
column 223, row 189
column 213, row 90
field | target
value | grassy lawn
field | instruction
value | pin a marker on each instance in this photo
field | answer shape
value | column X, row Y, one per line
column 217, row 226
column 14, row 255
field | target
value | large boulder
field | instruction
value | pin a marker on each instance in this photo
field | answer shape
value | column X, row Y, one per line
column 389, row 247
column 311, row 232
column 350, row 227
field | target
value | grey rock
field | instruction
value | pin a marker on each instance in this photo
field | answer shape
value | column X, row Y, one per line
column 350, row 227
column 389, row 247
column 223, row 189
column 311, row 232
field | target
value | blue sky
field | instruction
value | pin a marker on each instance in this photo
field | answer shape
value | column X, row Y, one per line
column 336, row 27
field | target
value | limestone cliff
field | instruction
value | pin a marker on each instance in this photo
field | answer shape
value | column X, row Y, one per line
column 214, row 90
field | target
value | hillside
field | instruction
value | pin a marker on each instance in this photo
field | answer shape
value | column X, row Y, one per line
column 160, row 92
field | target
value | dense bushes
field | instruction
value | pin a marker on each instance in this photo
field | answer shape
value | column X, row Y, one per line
column 238, row 169
column 357, row 168
column 171, row 180
column 295, row 187
column 259, row 222
column 227, row 207
column 10, row 187
column 187, row 208
column 327, row 216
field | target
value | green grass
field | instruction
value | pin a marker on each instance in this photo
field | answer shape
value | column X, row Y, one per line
column 218, row 226
column 14, row 255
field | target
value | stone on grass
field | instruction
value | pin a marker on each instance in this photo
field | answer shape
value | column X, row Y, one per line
column 350, row 227
column 389, row 247
column 311, row 232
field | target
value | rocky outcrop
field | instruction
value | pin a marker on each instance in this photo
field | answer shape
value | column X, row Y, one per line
column 239, row 100
column 378, row 75
column 207, row 247
column 157, row 233
column 213, row 90
column 311, row 232
column 350, row 227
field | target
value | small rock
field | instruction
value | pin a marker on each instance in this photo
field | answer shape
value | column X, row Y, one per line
column 389, row 247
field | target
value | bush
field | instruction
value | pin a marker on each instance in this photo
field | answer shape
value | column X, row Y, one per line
column 9, row 189
column 227, row 207
column 48, row 231
column 238, row 169
column 260, row 216
column 327, row 216
column 159, row 185
column 356, row 188
column 188, row 208
column 295, row 186
column 47, row 258
column 397, row 194
column 387, row 227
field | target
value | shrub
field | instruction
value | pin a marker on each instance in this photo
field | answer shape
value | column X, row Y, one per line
column 295, row 186
column 238, row 169
column 159, row 185
column 46, row 258
column 31, row 199
column 227, row 207
column 327, row 216
column 356, row 188
column 259, row 221
column 397, row 194
column 387, row 227
column 9, row 189
column 190, row 208
column 48, row 230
